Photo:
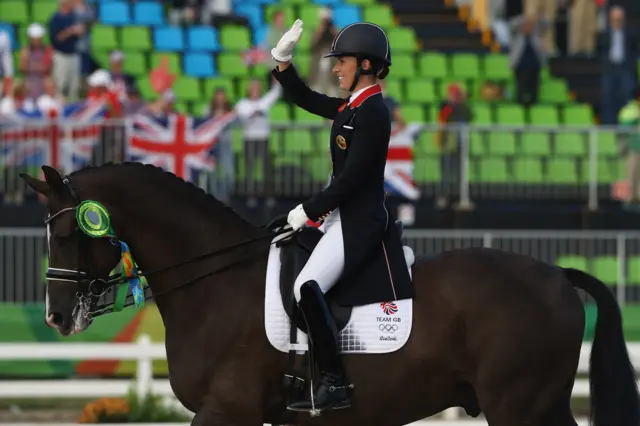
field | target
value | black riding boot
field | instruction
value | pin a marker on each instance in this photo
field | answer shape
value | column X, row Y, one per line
column 331, row 389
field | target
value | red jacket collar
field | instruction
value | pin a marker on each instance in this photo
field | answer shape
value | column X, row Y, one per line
column 366, row 94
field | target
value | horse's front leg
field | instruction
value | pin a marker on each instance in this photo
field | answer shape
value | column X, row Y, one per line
column 216, row 412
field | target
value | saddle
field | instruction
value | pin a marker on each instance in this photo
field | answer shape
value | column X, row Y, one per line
column 295, row 251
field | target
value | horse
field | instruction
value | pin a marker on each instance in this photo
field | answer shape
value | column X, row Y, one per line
column 492, row 332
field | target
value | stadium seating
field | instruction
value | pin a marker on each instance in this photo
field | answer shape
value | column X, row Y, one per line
column 204, row 58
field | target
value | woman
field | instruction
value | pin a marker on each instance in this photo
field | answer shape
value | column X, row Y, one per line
column 360, row 247
column 220, row 108
column 36, row 61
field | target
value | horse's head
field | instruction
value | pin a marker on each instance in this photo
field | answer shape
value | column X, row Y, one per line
column 79, row 259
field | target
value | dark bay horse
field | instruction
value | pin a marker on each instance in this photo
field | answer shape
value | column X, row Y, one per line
column 493, row 332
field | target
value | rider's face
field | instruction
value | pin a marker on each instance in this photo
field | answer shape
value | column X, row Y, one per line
column 345, row 68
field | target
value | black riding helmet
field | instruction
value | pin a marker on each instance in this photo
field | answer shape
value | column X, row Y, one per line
column 364, row 41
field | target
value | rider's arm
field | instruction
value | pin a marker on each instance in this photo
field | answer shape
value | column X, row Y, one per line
column 298, row 91
column 365, row 161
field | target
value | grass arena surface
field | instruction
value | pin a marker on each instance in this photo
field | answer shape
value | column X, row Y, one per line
column 25, row 323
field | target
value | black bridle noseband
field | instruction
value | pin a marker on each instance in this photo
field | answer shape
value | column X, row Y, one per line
column 96, row 287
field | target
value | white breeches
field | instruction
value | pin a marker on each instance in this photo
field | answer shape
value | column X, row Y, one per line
column 326, row 263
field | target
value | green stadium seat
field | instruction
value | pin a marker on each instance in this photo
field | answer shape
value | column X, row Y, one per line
column 303, row 64
column 14, row 12
column 496, row 67
column 182, row 108
column 606, row 269
column 477, row 144
column 573, row 261
column 528, row 171
column 103, row 37
column 280, row 113
column 393, row 88
column 135, row 64
column 101, row 57
column 403, row 66
column 633, row 270
column 232, row 65
column 465, row 65
column 298, row 141
column 607, row 145
column 413, row 113
column 433, row 65
column 604, row 174
column 304, row 45
column 235, row 38
column 146, row 91
column 493, row 170
column 501, row 143
column 310, row 15
column 561, row 171
column 427, row 170
column 187, row 89
column 211, row 84
column 543, row 115
column 403, row 39
column 535, row 144
column 577, row 115
column 425, row 144
column 320, row 168
column 360, row 2
column 554, row 90
column 379, row 14
column 42, row 10
column 511, row 114
column 175, row 66
column 482, row 114
column 420, row 90
column 573, row 143
column 135, row 38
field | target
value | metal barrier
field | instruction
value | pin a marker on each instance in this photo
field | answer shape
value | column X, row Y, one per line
column 461, row 162
column 23, row 255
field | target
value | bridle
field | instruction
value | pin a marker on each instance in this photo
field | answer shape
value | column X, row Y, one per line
column 96, row 287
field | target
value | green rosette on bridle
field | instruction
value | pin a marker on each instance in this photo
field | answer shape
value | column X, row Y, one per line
column 94, row 220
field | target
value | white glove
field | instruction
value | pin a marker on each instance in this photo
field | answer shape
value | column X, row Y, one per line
column 297, row 218
column 284, row 49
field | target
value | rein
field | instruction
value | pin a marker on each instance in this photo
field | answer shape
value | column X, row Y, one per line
column 98, row 226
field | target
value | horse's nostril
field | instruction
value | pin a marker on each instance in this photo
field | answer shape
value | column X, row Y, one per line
column 56, row 318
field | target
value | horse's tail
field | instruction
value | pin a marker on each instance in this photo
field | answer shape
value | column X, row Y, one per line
column 612, row 378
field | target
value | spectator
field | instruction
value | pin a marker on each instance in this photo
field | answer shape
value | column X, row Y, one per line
column 185, row 11
column 50, row 102
column 85, row 16
column 275, row 31
column 17, row 99
column 36, row 61
column 65, row 33
column 100, row 90
column 629, row 117
column 545, row 10
column 527, row 57
column 253, row 113
column 618, row 50
column 162, row 107
column 218, row 107
column 583, row 26
column 120, row 80
column 321, row 77
column 6, row 63
column 134, row 103
column 220, row 12
column 454, row 111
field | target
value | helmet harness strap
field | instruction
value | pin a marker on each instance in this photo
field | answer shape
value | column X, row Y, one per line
column 360, row 71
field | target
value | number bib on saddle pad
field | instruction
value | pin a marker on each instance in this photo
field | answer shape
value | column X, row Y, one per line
column 374, row 328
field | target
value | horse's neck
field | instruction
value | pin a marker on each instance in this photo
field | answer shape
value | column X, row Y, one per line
column 161, row 233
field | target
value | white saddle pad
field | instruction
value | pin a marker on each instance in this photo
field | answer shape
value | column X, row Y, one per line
column 375, row 328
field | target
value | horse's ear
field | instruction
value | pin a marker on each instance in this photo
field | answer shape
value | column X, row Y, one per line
column 36, row 184
column 54, row 179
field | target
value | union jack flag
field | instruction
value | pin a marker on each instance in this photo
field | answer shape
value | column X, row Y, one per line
column 398, row 172
column 64, row 141
column 177, row 143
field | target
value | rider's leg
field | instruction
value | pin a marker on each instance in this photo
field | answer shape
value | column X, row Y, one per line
column 318, row 276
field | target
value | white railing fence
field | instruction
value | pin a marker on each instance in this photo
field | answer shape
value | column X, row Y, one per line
column 515, row 161
column 143, row 351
